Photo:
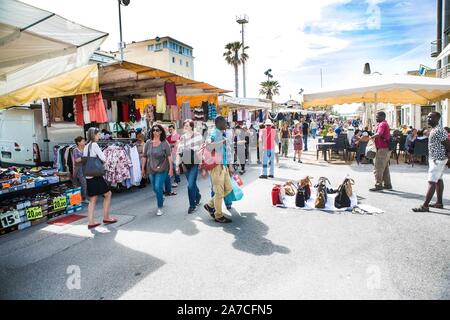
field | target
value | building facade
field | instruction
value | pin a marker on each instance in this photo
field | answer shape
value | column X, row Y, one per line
column 440, row 50
column 164, row 53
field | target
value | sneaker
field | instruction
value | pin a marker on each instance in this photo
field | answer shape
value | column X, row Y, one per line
column 387, row 187
column 174, row 185
column 300, row 161
column 197, row 202
column 241, row 172
column 271, row 176
column 159, row 212
column 210, row 210
column 191, row 210
column 263, row 177
column 169, row 194
column 223, row 219
column 376, row 189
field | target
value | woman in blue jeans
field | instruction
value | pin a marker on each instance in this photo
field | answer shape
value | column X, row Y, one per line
column 188, row 147
column 157, row 163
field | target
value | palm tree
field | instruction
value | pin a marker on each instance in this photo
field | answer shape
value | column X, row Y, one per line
column 234, row 58
column 269, row 89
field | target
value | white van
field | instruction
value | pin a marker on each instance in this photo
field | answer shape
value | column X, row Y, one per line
column 25, row 141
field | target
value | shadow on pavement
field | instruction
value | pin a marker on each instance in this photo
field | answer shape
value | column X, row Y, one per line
column 249, row 234
column 107, row 271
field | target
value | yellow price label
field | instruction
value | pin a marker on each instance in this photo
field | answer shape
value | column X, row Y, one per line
column 34, row 213
column 59, row 203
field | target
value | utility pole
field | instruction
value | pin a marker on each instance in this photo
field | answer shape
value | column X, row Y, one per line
column 121, row 44
column 242, row 21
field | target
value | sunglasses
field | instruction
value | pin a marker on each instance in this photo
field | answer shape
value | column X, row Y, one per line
column 156, row 130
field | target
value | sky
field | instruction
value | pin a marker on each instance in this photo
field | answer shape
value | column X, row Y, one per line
column 294, row 38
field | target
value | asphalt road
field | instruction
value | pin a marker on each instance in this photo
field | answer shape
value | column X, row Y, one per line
column 266, row 253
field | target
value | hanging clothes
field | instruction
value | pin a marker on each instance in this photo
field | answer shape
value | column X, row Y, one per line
column 117, row 165
column 138, row 115
column 212, row 112
column 205, row 107
column 170, row 89
column 240, row 116
column 135, row 173
column 119, row 111
column 86, row 116
column 78, row 110
column 97, row 110
column 68, row 114
column 166, row 116
column 174, row 113
column 149, row 113
column 125, row 112
column 230, row 116
column 114, row 110
column 261, row 116
column 56, row 110
column 161, row 104
column 186, row 112
column 132, row 111
column 108, row 110
column 45, row 117
column 199, row 114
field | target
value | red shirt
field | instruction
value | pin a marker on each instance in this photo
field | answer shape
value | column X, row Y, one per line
column 384, row 132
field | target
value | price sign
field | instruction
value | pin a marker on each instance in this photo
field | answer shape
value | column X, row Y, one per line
column 34, row 213
column 9, row 219
column 75, row 199
column 59, row 203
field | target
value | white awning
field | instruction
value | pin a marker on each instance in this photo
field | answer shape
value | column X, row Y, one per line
column 36, row 45
column 245, row 103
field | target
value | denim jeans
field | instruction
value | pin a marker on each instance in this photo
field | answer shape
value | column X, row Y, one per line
column 268, row 155
column 168, row 183
column 158, row 180
column 193, row 191
column 314, row 132
column 305, row 142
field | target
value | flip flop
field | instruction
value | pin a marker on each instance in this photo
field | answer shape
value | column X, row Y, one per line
column 437, row 206
column 110, row 221
column 421, row 209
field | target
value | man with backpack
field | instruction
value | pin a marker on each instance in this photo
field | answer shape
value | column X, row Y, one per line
column 382, row 139
column 218, row 145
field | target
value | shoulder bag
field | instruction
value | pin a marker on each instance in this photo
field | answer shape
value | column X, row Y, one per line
column 93, row 166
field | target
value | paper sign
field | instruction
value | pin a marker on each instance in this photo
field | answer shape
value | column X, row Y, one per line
column 59, row 203
column 75, row 199
column 9, row 219
column 34, row 213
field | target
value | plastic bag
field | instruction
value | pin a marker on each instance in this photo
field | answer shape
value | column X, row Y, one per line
column 236, row 194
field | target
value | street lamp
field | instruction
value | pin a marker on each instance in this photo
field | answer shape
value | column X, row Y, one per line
column 121, row 44
column 243, row 20
column 268, row 74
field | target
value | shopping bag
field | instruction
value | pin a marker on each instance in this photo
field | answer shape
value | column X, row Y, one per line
column 238, row 179
column 236, row 194
column 371, row 150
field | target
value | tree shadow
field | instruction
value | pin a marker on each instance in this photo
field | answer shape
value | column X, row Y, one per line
column 249, row 234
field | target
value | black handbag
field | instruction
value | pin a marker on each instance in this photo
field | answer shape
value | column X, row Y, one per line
column 342, row 199
column 93, row 166
column 300, row 198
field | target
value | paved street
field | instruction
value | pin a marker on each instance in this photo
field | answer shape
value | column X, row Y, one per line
column 266, row 253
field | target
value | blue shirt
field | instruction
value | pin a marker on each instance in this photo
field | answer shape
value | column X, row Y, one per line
column 338, row 131
column 218, row 136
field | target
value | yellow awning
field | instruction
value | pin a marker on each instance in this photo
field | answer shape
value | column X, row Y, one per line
column 83, row 80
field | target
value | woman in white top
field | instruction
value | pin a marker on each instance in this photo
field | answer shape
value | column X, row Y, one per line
column 188, row 147
column 97, row 186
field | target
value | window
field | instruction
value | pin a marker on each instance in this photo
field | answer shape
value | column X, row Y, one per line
column 165, row 44
column 181, row 62
column 150, row 47
column 158, row 46
column 187, row 64
column 173, row 59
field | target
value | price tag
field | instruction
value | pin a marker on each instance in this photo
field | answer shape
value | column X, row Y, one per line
column 59, row 203
column 9, row 219
column 34, row 213
column 75, row 199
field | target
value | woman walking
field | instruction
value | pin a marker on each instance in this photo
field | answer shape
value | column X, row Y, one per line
column 78, row 176
column 297, row 134
column 97, row 186
column 188, row 147
column 157, row 163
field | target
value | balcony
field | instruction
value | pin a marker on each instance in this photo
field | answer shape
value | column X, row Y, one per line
column 443, row 72
column 436, row 48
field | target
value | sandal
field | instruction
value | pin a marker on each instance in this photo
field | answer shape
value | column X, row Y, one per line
column 170, row 194
column 110, row 221
column 421, row 209
column 93, row 226
column 437, row 206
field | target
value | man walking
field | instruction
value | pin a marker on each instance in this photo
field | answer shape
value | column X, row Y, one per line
column 382, row 138
column 268, row 138
column 314, row 127
column 220, row 175
column 305, row 128
column 438, row 151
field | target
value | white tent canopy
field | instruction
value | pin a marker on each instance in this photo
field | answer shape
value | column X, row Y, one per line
column 396, row 89
column 36, row 45
column 245, row 103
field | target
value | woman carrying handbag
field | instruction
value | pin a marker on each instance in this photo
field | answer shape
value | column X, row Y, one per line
column 96, row 184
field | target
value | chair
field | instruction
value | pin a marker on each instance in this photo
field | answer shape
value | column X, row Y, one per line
column 328, row 139
column 401, row 146
column 341, row 145
column 360, row 151
column 420, row 150
column 393, row 142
